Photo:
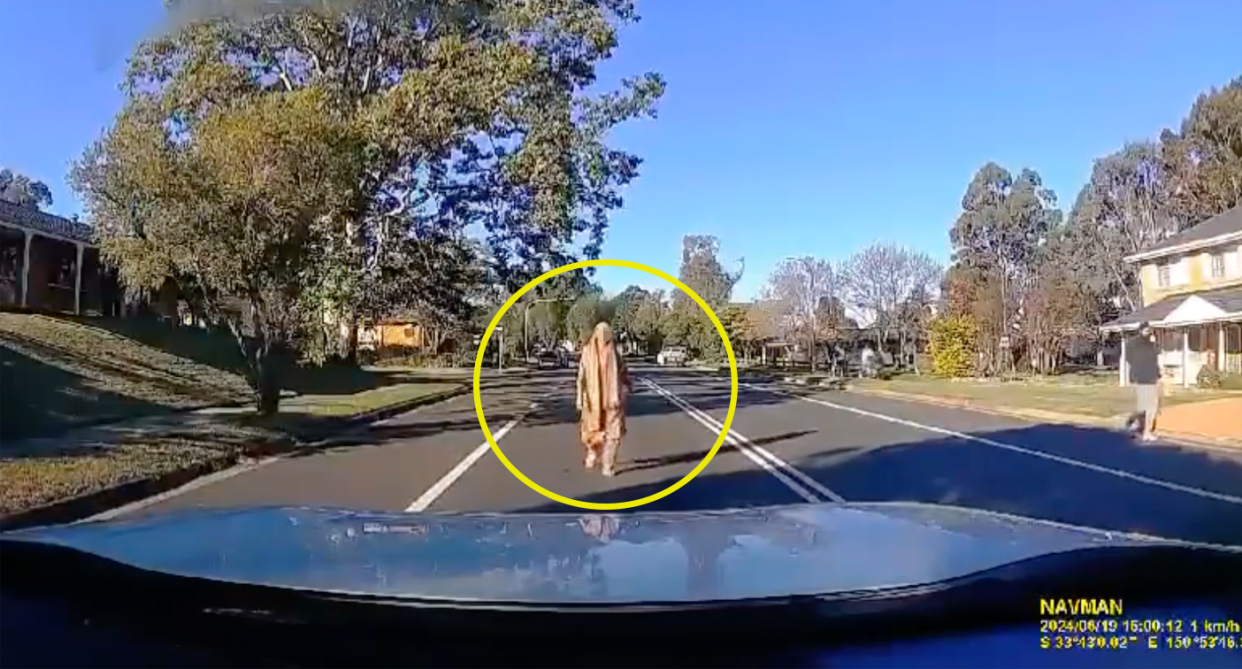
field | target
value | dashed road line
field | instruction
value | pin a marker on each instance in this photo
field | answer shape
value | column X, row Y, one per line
column 440, row 487
column 795, row 479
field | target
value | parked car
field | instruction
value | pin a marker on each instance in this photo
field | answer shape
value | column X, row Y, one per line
column 550, row 360
column 673, row 356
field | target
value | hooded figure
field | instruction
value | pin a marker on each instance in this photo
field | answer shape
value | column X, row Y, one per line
column 603, row 385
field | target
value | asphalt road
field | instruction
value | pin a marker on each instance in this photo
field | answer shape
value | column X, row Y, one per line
column 783, row 448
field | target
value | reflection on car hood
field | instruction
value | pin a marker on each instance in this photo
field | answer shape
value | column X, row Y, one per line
column 594, row 558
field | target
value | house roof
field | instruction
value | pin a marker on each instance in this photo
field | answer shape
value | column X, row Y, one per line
column 1222, row 301
column 1220, row 225
column 43, row 222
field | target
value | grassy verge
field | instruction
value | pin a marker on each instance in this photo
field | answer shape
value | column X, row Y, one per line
column 1087, row 394
column 46, row 471
column 100, row 459
column 345, row 406
column 61, row 372
column 90, row 404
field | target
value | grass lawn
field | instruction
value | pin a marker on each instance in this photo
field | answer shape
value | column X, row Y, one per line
column 1090, row 394
column 40, row 471
column 59, row 372
column 90, row 403
column 337, row 406
column 92, row 459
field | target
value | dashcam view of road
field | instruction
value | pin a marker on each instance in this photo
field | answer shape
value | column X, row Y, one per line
column 264, row 276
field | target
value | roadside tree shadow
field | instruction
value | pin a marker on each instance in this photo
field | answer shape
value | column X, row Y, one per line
column 1199, row 496
column 217, row 348
column 211, row 347
column 43, row 400
column 557, row 402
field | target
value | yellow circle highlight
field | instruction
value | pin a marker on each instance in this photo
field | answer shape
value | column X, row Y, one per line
column 604, row 506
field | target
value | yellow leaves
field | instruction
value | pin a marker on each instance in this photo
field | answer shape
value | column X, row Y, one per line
column 238, row 199
column 952, row 346
column 461, row 90
column 291, row 149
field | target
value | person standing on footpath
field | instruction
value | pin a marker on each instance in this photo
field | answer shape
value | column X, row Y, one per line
column 1143, row 361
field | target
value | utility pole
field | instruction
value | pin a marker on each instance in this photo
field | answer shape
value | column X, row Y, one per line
column 500, row 349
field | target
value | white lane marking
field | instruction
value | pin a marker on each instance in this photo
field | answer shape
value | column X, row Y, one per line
column 1159, row 483
column 435, row 491
column 793, row 478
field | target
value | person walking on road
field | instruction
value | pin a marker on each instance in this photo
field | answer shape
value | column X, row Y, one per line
column 1143, row 360
column 603, row 385
column 867, row 358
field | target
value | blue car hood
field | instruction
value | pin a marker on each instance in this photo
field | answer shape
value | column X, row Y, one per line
column 581, row 559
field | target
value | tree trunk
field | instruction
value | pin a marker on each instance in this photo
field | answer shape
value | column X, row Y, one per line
column 263, row 371
column 811, row 352
column 266, row 383
column 351, row 345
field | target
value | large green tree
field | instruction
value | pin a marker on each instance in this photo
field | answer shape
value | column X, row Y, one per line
column 702, row 271
column 1004, row 222
column 1123, row 208
column 475, row 117
column 1203, row 159
column 228, row 211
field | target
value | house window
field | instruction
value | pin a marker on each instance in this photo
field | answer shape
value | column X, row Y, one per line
column 1218, row 266
column 1164, row 276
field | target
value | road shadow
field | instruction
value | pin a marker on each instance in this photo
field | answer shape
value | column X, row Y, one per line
column 502, row 401
column 558, row 405
column 388, row 434
column 962, row 472
column 694, row 457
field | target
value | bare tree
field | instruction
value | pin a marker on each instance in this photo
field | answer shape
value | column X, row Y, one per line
column 798, row 286
column 880, row 279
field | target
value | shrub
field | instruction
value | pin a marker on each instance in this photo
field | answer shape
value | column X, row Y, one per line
column 1208, row 377
column 952, row 346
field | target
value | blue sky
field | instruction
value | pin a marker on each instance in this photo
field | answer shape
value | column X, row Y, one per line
column 789, row 127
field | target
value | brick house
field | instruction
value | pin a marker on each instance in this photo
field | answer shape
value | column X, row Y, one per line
column 51, row 263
